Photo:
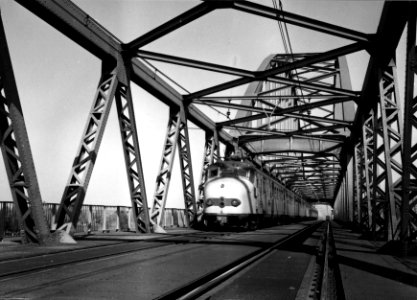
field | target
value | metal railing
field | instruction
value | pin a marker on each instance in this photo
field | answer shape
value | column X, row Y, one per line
column 92, row 218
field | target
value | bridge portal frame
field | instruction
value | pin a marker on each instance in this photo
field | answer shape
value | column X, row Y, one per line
column 74, row 23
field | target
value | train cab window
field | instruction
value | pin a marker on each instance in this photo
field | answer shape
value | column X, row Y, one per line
column 213, row 172
column 251, row 175
column 241, row 172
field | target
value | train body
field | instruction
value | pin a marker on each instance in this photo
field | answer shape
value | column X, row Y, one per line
column 236, row 193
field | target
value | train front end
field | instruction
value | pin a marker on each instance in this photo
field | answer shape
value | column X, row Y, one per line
column 228, row 194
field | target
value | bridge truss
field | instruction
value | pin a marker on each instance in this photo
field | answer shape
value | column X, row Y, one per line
column 299, row 119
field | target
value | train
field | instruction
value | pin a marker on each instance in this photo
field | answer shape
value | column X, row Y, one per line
column 239, row 194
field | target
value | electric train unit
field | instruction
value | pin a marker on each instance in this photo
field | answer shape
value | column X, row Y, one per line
column 238, row 194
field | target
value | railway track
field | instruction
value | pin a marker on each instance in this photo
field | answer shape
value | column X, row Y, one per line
column 175, row 266
column 206, row 283
column 43, row 261
column 325, row 285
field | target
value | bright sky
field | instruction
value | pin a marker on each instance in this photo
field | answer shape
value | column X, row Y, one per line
column 57, row 80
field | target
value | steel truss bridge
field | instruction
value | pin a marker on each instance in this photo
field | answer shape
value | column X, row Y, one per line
column 300, row 120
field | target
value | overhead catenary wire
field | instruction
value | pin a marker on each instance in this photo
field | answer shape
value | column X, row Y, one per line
column 289, row 51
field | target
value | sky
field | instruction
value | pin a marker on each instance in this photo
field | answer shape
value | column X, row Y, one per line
column 57, row 80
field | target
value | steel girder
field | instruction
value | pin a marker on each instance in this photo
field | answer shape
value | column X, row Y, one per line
column 17, row 154
column 177, row 133
column 70, row 20
column 211, row 155
column 279, row 118
column 391, row 121
column 369, row 146
column 82, row 168
column 409, row 182
column 133, row 162
column 382, row 145
column 77, row 25
column 186, row 169
column 358, row 184
column 114, row 83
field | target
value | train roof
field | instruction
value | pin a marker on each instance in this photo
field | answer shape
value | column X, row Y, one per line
column 233, row 164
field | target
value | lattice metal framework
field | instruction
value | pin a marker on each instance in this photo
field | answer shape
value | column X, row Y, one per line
column 133, row 162
column 17, row 154
column 358, row 184
column 296, row 122
column 391, row 123
column 186, row 170
column 211, row 155
column 304, row 105
column 177, row 133
column 369, row 162
column 83, row 164
column 409, row 183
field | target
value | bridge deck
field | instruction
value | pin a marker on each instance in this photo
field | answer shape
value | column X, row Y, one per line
column 368, row 273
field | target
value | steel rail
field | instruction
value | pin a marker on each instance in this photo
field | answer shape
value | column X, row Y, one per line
column 211, row 280
column 330, row 286
column 85, row 254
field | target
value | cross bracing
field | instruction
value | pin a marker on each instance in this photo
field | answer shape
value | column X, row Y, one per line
column 298, row 116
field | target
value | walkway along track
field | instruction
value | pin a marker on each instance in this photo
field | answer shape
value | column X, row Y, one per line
column 210, row 281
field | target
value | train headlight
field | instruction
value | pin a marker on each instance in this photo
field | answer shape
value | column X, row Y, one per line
column 209, row 202
column 235, row 202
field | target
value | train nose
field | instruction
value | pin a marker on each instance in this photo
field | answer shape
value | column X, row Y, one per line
column 221, row 204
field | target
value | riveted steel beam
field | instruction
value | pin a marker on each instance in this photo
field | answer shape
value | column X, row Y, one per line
column 291, row 18
column 369, row 147
column 391, row 121
column 193, row 63
column 391, row 25
column 17, row 155
column 173, row 24
column 186, row 170
column 211, row 155
column 69, row 19
column 177, row 133
column 73, row 22
column 357, row 178
column 409, row 184
column 82, row 167
column 131, row 150
column 278, row 111
column 163, row 179
column 258, row 97
column 286, row 68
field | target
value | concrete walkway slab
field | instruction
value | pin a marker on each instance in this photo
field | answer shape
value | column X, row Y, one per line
column 368, row 274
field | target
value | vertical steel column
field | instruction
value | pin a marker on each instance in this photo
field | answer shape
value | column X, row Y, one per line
column 391, row 122
column 17, row 154
column 82, row 168
column 368, row 153
column 346, row 198
column 409, row 184
column 2, row 219
column 211, row 155
column 358, row 167
column 131, row 150
column 165, row 170
column 186, row 168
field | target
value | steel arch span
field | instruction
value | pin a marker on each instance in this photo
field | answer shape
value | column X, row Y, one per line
column 299, row 119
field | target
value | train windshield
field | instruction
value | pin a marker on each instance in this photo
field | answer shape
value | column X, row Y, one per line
column 231, row 170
